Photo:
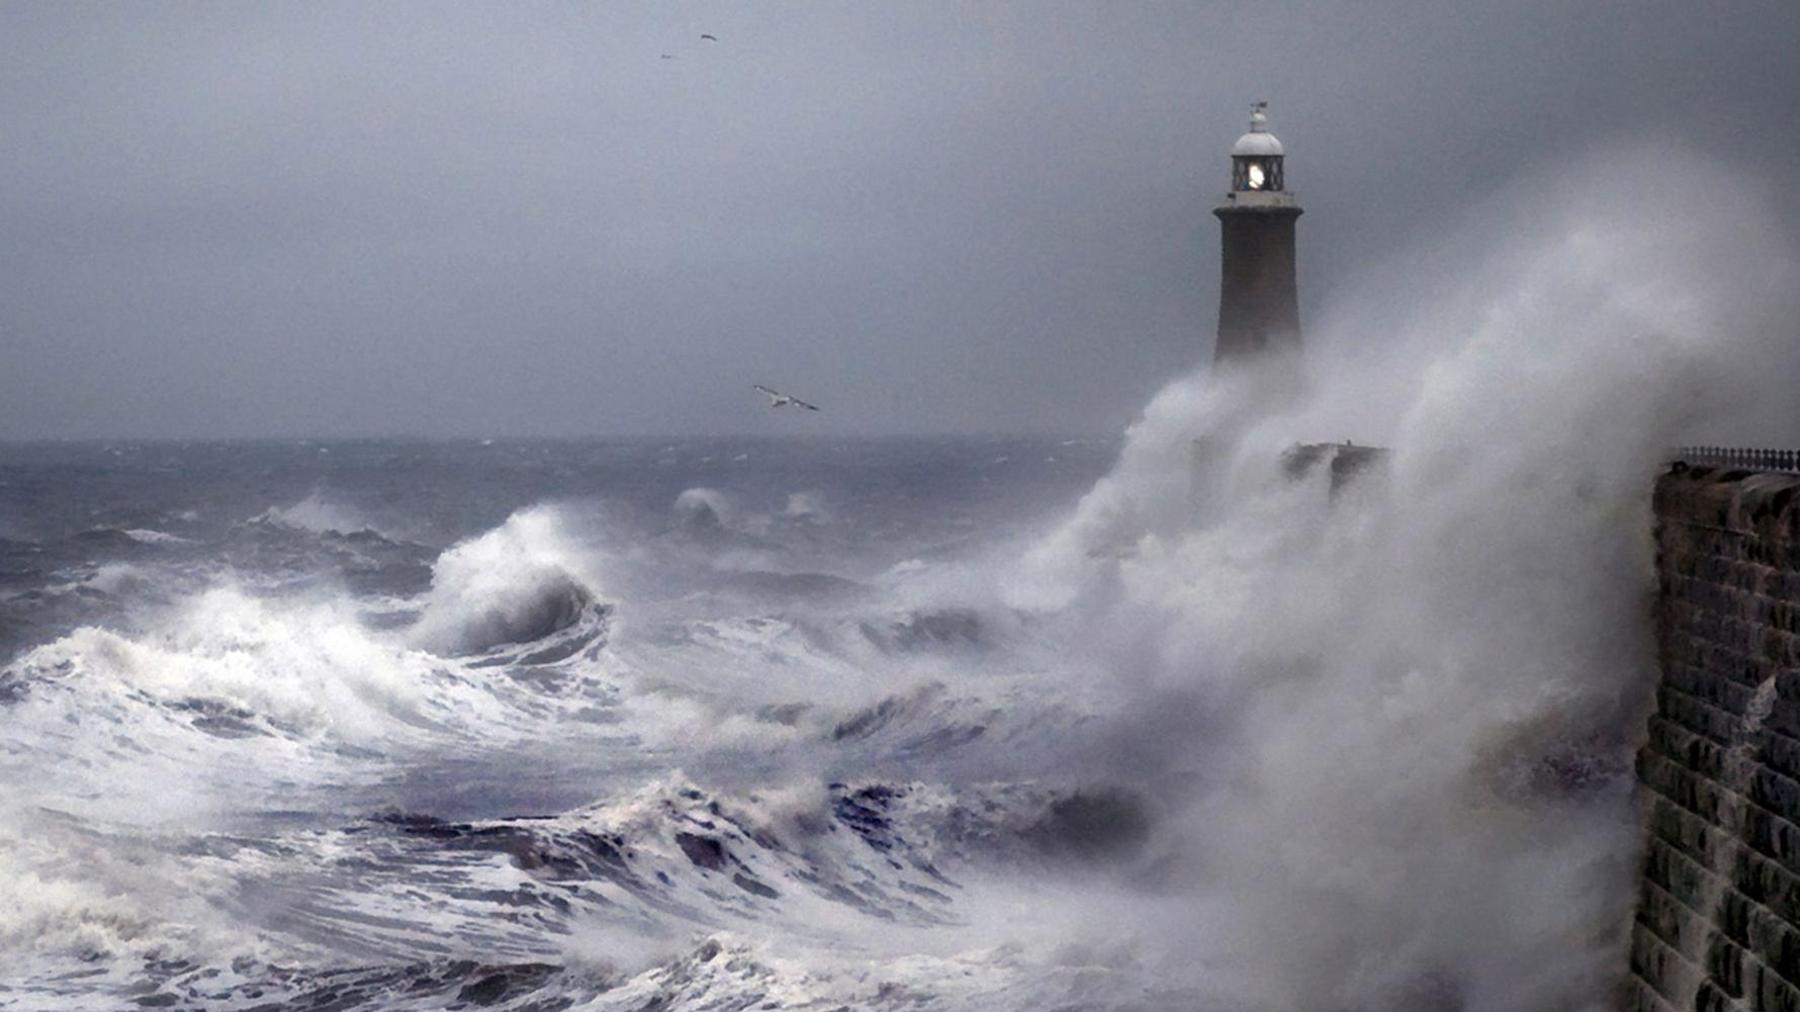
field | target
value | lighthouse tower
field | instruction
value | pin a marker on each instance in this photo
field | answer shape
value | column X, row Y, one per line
column 1259, row 311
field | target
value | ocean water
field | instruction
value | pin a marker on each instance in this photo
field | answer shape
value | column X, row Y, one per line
column 1143, row 724
column 548, row 725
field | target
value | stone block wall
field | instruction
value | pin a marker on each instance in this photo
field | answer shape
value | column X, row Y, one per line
column 1718, row 916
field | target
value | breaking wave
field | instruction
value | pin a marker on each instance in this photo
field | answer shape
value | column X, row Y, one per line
column 229, row 662
column 702, row 509
column 518, row 584
column 318, row 514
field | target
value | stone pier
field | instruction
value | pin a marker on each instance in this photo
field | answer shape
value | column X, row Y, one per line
column 1718, row 918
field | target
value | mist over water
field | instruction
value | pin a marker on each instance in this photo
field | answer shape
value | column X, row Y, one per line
column 953, row 724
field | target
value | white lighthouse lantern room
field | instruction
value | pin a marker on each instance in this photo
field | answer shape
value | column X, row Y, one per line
column 1256, row 157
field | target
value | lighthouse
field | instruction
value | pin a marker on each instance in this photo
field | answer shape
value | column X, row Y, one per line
column 1259, row 312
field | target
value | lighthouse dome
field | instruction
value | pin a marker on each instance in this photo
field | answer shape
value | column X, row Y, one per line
column 1257, row 142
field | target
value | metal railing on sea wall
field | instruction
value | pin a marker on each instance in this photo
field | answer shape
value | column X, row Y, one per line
column 1746, row 458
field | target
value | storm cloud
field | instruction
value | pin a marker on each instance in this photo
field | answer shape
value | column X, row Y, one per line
column 338, row 219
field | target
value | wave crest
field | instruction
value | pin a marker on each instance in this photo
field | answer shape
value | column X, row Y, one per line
column 317, row 514
column 521, row 583
column 295, row 667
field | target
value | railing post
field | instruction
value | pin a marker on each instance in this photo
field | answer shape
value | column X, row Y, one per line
column 1754, row 458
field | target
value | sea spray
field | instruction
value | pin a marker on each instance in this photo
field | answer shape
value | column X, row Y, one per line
column 1367, row 681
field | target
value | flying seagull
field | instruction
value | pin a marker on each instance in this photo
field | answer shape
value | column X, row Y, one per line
column 777, row 399
column 710, row 38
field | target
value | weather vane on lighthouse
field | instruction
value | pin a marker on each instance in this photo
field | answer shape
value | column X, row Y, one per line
column 1258, row 303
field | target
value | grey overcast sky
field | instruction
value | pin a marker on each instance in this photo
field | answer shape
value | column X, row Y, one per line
column 457, row 219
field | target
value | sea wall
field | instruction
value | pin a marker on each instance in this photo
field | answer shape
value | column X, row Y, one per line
column 1718, row 916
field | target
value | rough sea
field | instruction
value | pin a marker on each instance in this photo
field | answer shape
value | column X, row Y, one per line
column 1154, row 723
column 549, row 725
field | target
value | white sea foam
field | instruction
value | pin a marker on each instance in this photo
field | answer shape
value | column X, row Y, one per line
column 70, row 899
column 64, row 916
column 807, row 506
column 107, row 578
column 152, row 537
column 306, row 667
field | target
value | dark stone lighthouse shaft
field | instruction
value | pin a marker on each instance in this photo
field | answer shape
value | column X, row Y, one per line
column 1259, row 307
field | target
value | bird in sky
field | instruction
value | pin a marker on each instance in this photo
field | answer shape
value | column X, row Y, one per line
column 777, row 399
column 666, row 56
column 709, row 38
